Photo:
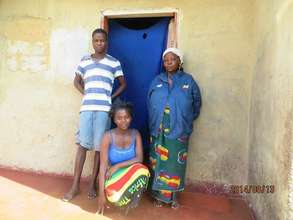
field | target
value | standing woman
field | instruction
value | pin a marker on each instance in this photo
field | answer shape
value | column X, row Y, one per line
column 174, row 102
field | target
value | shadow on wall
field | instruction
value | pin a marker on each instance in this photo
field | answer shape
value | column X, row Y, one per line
column 271, row 135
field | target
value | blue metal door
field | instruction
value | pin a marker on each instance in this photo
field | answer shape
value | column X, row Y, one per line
column 139, row 51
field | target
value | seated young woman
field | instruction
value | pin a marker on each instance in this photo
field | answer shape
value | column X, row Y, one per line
column 122, row 177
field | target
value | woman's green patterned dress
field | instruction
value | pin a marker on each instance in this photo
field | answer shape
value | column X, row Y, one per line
column 168, row 162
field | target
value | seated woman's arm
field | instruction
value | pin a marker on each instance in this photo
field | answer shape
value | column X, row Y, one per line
column 137, row 159
column 102, row 173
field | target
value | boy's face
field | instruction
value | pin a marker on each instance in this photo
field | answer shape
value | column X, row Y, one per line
column 99, row 43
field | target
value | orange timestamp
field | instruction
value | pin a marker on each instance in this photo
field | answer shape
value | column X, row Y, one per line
column 235, row 189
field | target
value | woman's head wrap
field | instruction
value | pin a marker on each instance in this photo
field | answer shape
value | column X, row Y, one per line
column 175, row 51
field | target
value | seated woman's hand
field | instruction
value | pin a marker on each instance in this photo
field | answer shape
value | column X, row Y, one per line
column 110, row 171
column 101, row 204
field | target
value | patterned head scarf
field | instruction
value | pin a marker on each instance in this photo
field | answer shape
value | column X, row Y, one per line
column 175, row 51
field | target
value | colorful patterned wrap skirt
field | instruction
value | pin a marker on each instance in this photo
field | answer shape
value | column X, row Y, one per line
column 168, row 162
column 127, row 184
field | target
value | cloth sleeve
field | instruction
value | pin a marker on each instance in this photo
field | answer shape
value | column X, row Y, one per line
column 196, row 96
column 118, row 70
column 80, row 70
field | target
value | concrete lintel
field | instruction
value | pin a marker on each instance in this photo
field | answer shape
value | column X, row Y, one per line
column 136, row 13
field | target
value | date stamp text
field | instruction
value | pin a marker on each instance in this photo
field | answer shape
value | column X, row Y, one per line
column 236, row 189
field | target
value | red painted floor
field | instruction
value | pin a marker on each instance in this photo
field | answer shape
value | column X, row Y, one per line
column 37, row 197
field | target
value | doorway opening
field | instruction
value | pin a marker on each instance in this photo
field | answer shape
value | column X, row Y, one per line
column 138, row 42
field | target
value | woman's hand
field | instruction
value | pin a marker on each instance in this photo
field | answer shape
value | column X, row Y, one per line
column 101, row 204
column 110, row 171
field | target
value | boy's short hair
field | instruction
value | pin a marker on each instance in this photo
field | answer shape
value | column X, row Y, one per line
column 101, row 31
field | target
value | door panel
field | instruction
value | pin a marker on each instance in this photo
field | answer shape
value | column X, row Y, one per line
column 139, row 51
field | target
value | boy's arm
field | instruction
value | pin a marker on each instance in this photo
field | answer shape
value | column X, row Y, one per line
column 78, row 83
column 122, row 86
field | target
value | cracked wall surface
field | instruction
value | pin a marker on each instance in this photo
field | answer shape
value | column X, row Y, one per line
column 42, row 42
column 240, row 53
column 270, row 157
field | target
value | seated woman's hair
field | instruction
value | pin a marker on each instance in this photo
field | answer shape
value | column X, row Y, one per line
column 119, row 105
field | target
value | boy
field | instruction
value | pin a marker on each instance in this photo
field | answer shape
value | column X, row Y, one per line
column 94, row 79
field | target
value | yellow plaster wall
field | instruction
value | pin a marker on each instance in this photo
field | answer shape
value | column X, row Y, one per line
column 217, row 39
column 42, row 41
column 240, row 52
column 271, row 127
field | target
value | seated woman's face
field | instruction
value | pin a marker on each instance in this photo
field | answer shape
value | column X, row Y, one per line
column 171, row 62
column 122, row 119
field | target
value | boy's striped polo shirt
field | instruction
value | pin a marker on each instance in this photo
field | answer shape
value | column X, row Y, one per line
column 98, row 77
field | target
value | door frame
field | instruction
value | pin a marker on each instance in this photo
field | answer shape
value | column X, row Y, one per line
column 172, row 40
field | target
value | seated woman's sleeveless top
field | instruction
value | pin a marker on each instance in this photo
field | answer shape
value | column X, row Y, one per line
column 125, row 187
column 118, row 154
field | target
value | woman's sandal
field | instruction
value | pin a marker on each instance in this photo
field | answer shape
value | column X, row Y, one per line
column 158, row 203
column 175, row 205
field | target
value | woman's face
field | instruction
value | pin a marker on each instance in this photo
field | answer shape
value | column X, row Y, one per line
column 171, row 62
column 122, row 119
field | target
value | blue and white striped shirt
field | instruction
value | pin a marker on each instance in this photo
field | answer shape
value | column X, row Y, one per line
column 98, row 77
